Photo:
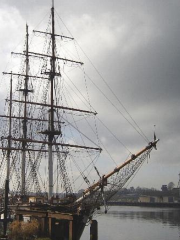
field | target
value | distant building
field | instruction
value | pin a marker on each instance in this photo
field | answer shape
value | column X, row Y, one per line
column 157, row 199
column 164, row 188
column 176, row 192
column 34, row 199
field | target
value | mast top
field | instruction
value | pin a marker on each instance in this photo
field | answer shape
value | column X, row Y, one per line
column 52, row 3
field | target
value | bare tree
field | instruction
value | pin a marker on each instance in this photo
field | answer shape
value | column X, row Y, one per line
column 170, row 186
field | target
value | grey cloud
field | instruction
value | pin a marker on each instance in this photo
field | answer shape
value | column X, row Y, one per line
column 135, row 46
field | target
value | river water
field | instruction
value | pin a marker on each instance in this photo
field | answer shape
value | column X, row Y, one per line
column 137, row 223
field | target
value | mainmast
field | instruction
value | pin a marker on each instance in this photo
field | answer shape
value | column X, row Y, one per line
column 25, row 93
column 51, row 111
column 55, row 145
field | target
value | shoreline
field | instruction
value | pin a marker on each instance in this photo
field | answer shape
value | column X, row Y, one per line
column 145, row 204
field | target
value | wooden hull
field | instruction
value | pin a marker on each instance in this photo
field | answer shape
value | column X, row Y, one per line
column 57, row 225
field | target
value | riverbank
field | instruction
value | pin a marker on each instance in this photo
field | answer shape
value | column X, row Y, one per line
column 145, row 204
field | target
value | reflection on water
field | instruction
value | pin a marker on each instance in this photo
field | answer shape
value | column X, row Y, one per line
column 138, row 223
column 166, row 216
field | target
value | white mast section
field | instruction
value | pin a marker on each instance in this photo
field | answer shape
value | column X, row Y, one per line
column 51, row 111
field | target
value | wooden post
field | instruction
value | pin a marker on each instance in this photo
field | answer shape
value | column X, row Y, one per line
column 19, row 217
column 50, row 226
column 70, row 230
column 42, row 226
column 94, row 230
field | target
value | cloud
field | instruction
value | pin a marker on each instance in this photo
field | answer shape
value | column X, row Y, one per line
column 10, row 22
column 135, row 47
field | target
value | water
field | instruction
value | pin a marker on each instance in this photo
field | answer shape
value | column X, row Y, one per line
column 137, row 223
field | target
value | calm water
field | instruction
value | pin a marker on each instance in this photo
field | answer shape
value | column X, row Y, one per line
column 137, row 223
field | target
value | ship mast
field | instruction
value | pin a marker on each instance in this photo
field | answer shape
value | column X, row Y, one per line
column 50, row 132
column 9, row 137
column 8, row 162
column 51, row 111
column 25, row 92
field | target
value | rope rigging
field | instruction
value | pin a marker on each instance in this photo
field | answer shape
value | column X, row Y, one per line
column 135, row 126
column 66, row 125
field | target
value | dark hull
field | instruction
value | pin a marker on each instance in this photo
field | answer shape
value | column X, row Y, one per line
column 57, row 224
column 60, row 229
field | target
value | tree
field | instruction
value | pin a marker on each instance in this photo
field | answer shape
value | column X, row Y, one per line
column 170, row 186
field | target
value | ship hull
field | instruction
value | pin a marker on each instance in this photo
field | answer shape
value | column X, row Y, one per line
column 58, row 225
column 65, row 230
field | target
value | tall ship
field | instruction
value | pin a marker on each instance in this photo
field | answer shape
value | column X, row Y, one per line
column 48, row 161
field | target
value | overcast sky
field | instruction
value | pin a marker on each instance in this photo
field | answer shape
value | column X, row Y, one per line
column 135, row 45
